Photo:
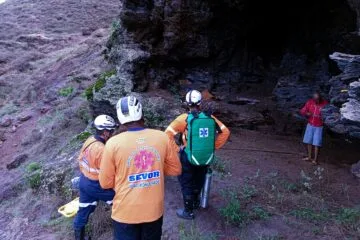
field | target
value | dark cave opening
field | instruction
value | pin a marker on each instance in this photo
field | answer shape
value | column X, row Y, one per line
column 269, row 29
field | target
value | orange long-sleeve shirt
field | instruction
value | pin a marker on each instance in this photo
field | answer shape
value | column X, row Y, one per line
column 179, row 126
column 134, row 164
column 90, row 158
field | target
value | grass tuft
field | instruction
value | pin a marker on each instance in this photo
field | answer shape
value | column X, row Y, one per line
column 66, row 91
column 33, row 175
column 83, row 136
column 310, row 214
column 194, row 234
column 99, row 84
column 349, row 218
column 232, row 211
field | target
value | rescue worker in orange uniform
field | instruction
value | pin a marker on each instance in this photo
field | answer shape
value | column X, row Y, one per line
column 193, row 177
column 89, row 162
column 135, row 164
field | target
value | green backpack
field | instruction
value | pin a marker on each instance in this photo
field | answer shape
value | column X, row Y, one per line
column 200, row 139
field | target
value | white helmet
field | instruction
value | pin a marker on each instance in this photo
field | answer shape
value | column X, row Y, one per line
column 193, row 97
column 104, row 122
column 129, row 109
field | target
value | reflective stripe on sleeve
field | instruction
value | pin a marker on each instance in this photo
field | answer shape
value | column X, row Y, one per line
column 84, row 205
column 170, row 129
column 109, row 202
column 88, row 168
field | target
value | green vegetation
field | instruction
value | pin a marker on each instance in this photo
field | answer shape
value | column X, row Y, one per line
column 78, row 139
column 194, row 234
column 99, row 84
column 8, row 109
column 236, row 213
column 259, row 213
column 175, row 90
column 310, row 214
column 248, row 191
column 153, row 119
column 115, row 27
column 269, row 237
column 292, row 187
column 32, row 167
column 219, row 165
column 84, row 114
column 62, row 225
column 33, row 175
column 232, row 211
column 66, row 91
column 83, row 136
column 349, row 218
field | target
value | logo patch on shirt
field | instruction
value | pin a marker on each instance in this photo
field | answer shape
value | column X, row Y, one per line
column 143, row 157
column 203, row 132
column 144, row 176
column 144, row 180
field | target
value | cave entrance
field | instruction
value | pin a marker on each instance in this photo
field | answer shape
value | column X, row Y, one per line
column 251, row 38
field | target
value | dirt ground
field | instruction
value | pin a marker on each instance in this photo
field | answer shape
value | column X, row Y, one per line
column 50, row 51
column 261, row 188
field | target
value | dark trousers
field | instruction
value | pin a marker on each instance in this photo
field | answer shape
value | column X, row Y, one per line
column 192, row 177
column 90, row 193
column 142, row 231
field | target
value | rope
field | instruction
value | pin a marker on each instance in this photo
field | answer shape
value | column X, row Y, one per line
column 259, row 150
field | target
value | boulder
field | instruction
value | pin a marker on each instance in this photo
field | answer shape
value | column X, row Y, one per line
column 24, row 117
column 299, row 81
column 20, row 159
column 355, row 169
column 2, row 136
column 343, row 114
column 5, row 121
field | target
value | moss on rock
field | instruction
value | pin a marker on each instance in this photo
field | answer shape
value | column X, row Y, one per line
column 99, row 84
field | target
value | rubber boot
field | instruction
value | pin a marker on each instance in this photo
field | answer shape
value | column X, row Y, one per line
column 80, row 234
column 197, row 202
column 187, row 212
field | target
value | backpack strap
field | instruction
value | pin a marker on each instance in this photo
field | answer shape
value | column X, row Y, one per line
column 218, row 128
column 89, row 145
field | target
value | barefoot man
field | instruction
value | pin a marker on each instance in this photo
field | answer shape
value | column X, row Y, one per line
column 314, row 129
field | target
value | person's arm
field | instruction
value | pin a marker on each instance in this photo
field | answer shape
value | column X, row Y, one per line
column 107, row 168
column 176, row 127
column 304, row 111
column 172, row 165
column 223, row 135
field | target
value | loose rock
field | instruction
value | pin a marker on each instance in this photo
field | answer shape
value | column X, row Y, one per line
column 24, row 117
column 5, row 121
column 355, row 169
column 17, row 161
column 2, row 136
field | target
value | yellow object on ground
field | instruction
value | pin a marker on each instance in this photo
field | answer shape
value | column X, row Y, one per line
column 70, row 209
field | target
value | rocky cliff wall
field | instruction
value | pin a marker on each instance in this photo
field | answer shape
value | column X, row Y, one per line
column 228, row 47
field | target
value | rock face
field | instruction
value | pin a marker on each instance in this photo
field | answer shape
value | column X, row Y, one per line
column 225, row 46
column 299, row 82
column 343, row 115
